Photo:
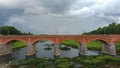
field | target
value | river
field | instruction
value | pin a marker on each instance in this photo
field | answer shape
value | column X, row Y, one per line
column 19, row 54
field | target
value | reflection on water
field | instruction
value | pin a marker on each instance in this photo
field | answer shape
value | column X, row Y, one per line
column 19, row 54
column 70, row 53
column 90, row 52
column 41, row 52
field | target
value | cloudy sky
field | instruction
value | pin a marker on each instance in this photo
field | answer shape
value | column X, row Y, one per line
column 59, row 16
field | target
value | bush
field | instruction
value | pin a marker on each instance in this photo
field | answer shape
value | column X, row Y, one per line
column 109, row 59
column 76, row 59
column 85, row 62
column 63, row 63
column 90, row 63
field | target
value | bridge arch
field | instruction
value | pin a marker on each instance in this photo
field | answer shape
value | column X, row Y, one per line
column 71, row 43
column 99, row 39
column 101, row 45
column 8, row 47
column 70, row 39
column 115, row 41
column 11, row 40
column 37, row 40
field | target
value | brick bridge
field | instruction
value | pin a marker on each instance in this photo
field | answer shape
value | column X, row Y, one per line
column 108, row 42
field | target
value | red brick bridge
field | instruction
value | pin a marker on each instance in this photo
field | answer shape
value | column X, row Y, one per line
column 108, row 42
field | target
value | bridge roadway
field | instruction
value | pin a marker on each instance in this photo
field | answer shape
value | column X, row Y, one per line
column 108, row 42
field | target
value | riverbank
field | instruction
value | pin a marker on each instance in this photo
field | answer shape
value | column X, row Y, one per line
column 93, row 45
column 18, row 44
column 100, row 61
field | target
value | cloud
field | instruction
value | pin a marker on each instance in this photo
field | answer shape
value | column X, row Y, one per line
column 57, row 6
column 6, row 14
column 58, row 16
column 51, row 25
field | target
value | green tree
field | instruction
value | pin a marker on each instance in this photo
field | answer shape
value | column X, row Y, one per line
column 9, row 30
column 110, row 29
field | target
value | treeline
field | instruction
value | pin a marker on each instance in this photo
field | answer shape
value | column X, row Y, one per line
column 10, row 30
column 110, row 29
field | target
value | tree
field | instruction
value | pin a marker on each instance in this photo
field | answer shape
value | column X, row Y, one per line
column 9, row 30
column 110, row 29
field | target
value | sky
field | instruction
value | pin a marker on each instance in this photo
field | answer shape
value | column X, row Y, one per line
column 59, row 16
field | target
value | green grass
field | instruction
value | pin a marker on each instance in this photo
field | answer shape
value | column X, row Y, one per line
column 33, row 63
column 18, row 44
column 100, row 61
column 65, row 48
column 95, row 45
column 117, row 47
column 71, row 43
column 63, row 63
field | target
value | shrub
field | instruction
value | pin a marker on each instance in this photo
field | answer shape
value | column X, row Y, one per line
column 63, row 63
column 92, row 63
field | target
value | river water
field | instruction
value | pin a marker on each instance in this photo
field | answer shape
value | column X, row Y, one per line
column 19, row 54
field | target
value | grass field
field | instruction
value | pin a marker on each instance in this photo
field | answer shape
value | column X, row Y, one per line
column 18, row 44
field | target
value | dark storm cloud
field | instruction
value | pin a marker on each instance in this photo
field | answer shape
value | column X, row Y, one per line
column 57, row 6
column 5, row 14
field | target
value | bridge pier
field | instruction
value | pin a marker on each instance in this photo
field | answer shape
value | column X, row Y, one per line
column 83, row 49
column 56, row 50
column 109, row 49
column 30, row 50
column 5, row 49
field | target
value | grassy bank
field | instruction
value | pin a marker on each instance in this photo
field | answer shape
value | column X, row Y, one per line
column 93, row 45
column 97, row 45
column 117, row 47
column 71, row 43
column 104, row 61
column 18, row 44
